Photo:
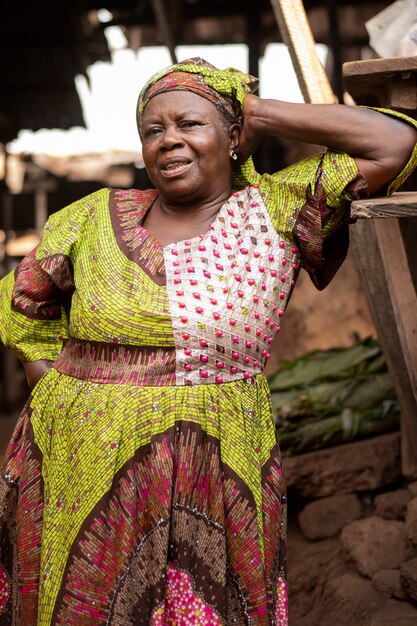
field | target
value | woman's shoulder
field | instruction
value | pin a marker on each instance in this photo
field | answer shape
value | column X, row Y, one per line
column 300, row 173
column 106, row 195
column 98, row 203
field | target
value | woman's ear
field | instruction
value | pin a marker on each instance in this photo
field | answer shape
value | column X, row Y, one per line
column 234, row 136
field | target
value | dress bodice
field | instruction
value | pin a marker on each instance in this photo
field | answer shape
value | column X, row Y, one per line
column 227, row 292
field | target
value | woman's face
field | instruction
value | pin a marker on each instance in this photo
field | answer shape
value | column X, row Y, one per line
column 186, row 147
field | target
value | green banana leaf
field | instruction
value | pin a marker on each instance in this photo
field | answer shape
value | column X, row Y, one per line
column 320, row 400
column 349, row 425
column 324, row 365
column 325, row 398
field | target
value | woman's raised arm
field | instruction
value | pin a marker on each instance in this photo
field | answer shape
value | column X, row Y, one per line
column 381, row 145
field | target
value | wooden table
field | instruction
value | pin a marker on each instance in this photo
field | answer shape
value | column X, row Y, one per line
column 386, row 249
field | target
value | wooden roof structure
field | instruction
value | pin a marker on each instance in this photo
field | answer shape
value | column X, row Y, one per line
column 46, row 44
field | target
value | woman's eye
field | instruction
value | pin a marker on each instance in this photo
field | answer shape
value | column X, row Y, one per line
column 152, row 131
column 190, row 123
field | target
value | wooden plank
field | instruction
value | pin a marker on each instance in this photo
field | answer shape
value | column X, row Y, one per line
column 373, row 69
column 409, row 235
column 381, row 258
column 402, row 292
column 296, row 34
column 401, row 204
column 401, row 289
column 383, row 82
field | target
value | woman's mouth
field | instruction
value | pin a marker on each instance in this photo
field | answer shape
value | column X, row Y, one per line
column 176, row 168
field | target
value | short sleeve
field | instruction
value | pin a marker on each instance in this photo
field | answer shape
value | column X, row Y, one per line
column 35, row 299
column 316, row 218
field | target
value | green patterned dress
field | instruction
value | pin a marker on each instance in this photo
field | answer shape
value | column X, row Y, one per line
column 143, row 483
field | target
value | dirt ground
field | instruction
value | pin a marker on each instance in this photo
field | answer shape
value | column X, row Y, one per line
column 364, row 576
column 323, row 589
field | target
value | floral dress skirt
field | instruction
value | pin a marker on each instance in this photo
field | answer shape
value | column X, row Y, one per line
column 129, row 505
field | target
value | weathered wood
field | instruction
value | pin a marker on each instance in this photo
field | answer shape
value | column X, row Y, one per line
column 357, row 466
column 372, row 69
column 409, row 235
column 381, row 258
column 383, row 82
column 385, row 250
column 402, row 293
column 401, row 204
column 296, row 34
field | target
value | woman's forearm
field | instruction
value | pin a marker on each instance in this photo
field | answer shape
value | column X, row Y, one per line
column 360, row 132
column 381, row 145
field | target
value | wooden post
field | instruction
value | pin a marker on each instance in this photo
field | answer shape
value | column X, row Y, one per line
column 385, row 250
column 389, row 285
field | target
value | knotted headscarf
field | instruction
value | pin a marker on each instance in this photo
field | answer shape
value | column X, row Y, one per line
column 226, row 89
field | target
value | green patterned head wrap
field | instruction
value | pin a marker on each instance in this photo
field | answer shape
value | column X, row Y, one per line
column 225, row 88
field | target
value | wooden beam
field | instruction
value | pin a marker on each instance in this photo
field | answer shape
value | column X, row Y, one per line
column 296, row 34
column 401, row 204
column 383, row 82
column 335, row 51
column 372, row 70
column 165, row 27
column 381, row 257
column 357, row 466
column 385, row 249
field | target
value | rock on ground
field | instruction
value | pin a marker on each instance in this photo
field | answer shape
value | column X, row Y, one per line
column 393, row 504
column 408, row 574
column 310, row 563
column 388, row 581
column 411, row 521
column 326, row 517
column 412, row 488
column 349, row 599
column 309, row 566
column 374, row 544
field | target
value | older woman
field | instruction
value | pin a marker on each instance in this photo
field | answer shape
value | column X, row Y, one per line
column 143, row 483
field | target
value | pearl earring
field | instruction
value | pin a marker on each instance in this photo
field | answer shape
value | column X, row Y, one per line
column 233, row 155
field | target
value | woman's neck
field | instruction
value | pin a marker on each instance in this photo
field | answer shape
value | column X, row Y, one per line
column 172, row 222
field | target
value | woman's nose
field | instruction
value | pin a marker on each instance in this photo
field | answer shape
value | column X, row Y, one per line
column 171, row 137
